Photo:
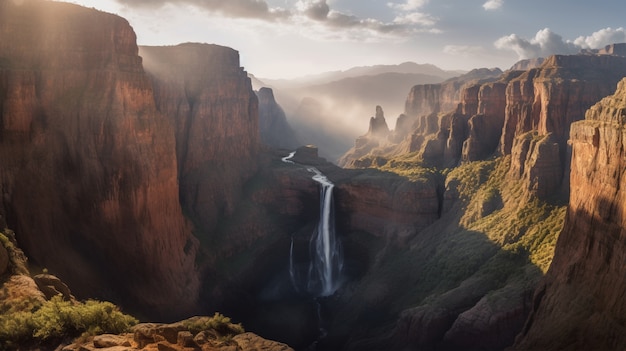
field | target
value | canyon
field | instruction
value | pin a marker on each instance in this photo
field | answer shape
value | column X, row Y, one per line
column 154, row 177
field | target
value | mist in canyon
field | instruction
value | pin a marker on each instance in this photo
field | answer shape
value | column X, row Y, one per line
column 392, row 207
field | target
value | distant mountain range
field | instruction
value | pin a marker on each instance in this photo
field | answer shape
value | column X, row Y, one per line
column 331, row 76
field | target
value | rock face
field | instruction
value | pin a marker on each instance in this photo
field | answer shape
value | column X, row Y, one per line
column 580, row 303
column 210, row 100
column 389, row 207
column 376, row 136
column 545, row 101
column 88, row 162
column 274, row 129
column 486, row 121
column 426, row 99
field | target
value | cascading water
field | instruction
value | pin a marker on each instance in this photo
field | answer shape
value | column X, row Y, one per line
column 326, row 257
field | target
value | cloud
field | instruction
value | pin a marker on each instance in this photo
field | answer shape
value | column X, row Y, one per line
column 315, row 9
column 545, row 43
column 315, row 17
column 416, row 18
column 491, row 5
column 258, row 9
column 407, row 21
column 601, row 38
column 409, row 5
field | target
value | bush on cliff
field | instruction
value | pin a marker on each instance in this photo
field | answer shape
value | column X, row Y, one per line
column 57, row 319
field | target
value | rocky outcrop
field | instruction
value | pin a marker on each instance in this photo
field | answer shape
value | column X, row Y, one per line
column 89, row 173
column 486, row 121
column 196, row 333
column 210, row 101
column 525, row 65
column 433, row 123
column 580, row 304
column 274, row 129
column 427, row 99
column 618, row 49
column 52, row 286
column 375, row 137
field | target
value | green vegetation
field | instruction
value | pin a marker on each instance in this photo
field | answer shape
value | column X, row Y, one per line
column 57, row 319
column 502, row 210
column 219, row 323
column 494, row 239
column 409, row 166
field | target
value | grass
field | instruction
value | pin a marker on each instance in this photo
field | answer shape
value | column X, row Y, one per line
column 409, row 166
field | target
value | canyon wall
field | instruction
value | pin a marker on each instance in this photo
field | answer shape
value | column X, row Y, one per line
column 209, row 99
column 580, row 302
column 89, row 175
column 540, row 106
column 525, row 114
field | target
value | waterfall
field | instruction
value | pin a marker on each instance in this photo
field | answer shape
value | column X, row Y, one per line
column 326, row 256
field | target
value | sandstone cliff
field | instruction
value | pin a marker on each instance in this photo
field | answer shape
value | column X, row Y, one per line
column 209, row 99
column 89, row 176
column 545, row 101
column 580, row 304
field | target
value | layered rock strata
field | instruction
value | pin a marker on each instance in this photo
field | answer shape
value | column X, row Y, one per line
column 545, row 101
column 580, row 304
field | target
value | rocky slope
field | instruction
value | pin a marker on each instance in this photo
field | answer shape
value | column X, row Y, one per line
column 580, row 304
column 89, row 168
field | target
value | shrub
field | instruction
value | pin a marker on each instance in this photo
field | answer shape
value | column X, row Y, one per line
column 218, row 322
column 57, row 319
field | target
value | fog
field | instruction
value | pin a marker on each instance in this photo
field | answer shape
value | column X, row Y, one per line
column 331, row 110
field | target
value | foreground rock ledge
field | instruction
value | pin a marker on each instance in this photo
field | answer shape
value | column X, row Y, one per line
column 175, row 337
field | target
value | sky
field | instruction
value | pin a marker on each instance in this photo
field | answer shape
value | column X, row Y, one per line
column 293, row 38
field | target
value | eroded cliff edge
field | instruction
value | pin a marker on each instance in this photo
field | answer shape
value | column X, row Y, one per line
column 89, row 169
column 580, row 302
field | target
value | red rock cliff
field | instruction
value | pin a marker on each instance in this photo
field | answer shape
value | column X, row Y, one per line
column 545, row 101
column 580, row 303
column 88, row 174
column 210, row 100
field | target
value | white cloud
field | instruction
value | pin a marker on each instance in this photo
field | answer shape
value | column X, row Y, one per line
column 601, row 38
column 491, row 5
column 409, row 5
column 314, row 9
column 416, row 18
column 545, row 43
